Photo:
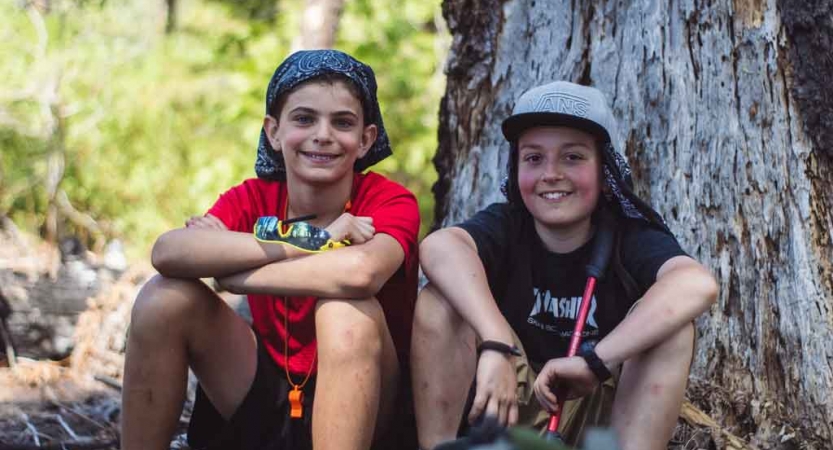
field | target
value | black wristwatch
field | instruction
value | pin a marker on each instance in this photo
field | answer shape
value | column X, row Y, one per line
column 499, row 347
column 596, row 365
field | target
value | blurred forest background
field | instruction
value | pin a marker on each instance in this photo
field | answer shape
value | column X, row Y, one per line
column 121, row 118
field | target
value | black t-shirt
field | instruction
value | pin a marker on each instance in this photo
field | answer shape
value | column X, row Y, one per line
column 539, row 291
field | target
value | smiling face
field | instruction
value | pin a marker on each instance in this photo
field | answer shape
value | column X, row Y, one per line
column 321, row 133
column 559, row 178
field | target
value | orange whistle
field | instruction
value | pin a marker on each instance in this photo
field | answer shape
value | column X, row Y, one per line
column 296, row 398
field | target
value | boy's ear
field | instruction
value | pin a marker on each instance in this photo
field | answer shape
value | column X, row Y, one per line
column 369, row 135
column 270, row 127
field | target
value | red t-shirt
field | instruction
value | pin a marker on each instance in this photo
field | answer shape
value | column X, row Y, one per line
column 394, row 211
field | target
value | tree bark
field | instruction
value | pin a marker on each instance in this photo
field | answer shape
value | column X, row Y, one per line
column 319, row 24
column 727, row 123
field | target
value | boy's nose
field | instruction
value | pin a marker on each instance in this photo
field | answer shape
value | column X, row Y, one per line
column 552, row 172
column 323, row 133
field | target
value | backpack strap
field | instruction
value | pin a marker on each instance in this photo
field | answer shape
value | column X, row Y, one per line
column 632, row 289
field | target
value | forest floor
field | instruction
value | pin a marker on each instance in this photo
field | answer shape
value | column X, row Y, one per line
column 75, row 402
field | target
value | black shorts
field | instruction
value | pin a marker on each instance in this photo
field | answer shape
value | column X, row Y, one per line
column 262, row 421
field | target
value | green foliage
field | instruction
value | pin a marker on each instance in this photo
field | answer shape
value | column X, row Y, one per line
column 152, row 127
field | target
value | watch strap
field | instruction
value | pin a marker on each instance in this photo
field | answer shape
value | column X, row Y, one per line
column 499, row 347
column 596, row 365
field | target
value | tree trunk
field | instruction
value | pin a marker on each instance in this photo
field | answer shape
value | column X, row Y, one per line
column 170, row 16
column 727, row 124
column 319, row 24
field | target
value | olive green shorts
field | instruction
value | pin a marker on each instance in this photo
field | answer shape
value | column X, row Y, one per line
column 591, row 410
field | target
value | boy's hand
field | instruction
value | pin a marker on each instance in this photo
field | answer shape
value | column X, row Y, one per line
column 496, row 391
column 357, row 230
column 206, row 222
column 572, row 373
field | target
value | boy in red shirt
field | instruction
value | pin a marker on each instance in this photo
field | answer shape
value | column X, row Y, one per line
column 334, row 323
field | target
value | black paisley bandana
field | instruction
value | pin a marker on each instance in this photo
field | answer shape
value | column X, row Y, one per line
column 306, row 65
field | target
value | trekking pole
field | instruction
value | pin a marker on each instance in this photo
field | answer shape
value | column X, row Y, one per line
column 595, row 270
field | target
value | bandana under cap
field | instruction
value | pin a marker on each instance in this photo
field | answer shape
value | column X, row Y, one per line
column 305, row 65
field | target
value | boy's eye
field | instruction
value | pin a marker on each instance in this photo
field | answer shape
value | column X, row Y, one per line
column 343, row 123
column 303, row 119
column 532, row 158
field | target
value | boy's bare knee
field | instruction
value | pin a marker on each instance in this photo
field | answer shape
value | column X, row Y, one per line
column 671, row 354
column 349, row 330
column 166, row 304
column 433, row 312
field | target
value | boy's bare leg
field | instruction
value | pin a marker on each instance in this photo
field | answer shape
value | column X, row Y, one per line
column 650, row 393
column 443, row 364
column 176, row 323
column 358, row 374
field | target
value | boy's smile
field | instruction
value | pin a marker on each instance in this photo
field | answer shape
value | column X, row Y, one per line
column 559, row 177
column 319, row 156
column 554, row 196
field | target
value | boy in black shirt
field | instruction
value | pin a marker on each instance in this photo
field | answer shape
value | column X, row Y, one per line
column 514, row 274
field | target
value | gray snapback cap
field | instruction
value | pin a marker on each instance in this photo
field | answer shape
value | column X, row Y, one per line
column 562, row 103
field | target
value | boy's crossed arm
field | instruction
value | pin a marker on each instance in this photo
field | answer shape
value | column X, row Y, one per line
column 356, row 272
column 244, row 265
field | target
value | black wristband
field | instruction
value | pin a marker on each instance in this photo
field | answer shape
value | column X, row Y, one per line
column 499, row 347
column 596, row 365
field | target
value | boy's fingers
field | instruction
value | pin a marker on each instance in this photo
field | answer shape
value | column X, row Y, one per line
column 544, row 402
column 550, row 404
column 545, row 397
column 513, row 414
column 551, row 399
column 215, row 222
column 502, row 413
column 493, row 408
column 362, row 233
column 368, row 233
column 205, row 222
column 476, row 408
column 365, row 226
column 197, row 222
column 358, row 236
column 538, row 396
